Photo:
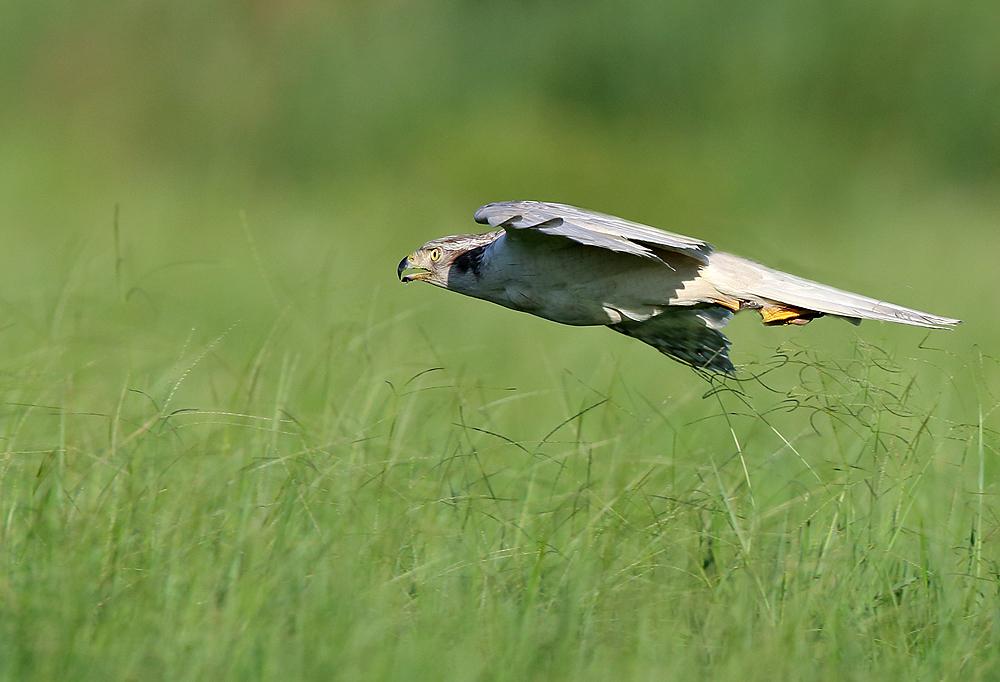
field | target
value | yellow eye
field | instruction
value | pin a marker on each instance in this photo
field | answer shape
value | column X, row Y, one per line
column 435, row 254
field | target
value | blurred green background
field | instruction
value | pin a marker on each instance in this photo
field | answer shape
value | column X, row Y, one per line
column 202, row 205
column 857, row 143
column 841, row 140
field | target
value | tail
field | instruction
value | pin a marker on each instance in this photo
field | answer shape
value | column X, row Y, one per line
column 785, row 298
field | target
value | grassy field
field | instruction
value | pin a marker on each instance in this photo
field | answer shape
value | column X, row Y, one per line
column 235, row 447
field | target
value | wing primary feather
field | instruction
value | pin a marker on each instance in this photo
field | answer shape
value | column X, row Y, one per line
column 747, row 279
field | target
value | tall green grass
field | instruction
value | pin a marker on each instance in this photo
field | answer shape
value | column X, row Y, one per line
column 318, row 502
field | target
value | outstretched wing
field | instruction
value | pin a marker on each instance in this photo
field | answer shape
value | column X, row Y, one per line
column 689, row 335
column 749, row 281
column 589, row 228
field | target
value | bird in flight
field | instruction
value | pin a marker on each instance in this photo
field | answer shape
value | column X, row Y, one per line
column 675, row 293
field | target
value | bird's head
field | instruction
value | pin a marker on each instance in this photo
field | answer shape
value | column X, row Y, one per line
column 446, row 260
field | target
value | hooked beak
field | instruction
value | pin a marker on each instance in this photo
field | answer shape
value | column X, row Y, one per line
column 405, row 265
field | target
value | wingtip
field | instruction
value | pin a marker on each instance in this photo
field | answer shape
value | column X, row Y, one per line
column 935, row 322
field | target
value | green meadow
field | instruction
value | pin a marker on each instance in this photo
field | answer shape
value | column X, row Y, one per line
column 234, row 447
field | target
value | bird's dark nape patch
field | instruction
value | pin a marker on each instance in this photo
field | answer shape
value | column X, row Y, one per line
column 470, row 261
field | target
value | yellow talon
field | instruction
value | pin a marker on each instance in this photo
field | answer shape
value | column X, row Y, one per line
column 778, row 314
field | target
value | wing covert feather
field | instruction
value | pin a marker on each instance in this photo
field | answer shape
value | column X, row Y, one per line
column 589, row 228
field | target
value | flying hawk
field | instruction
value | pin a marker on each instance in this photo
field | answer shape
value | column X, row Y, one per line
column 675, row 293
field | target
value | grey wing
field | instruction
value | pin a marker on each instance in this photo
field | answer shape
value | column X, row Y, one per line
column 692, row 336
column 747, row 280
column 589, row 228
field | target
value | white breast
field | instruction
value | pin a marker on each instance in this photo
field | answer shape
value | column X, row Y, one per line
column 573, row 284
